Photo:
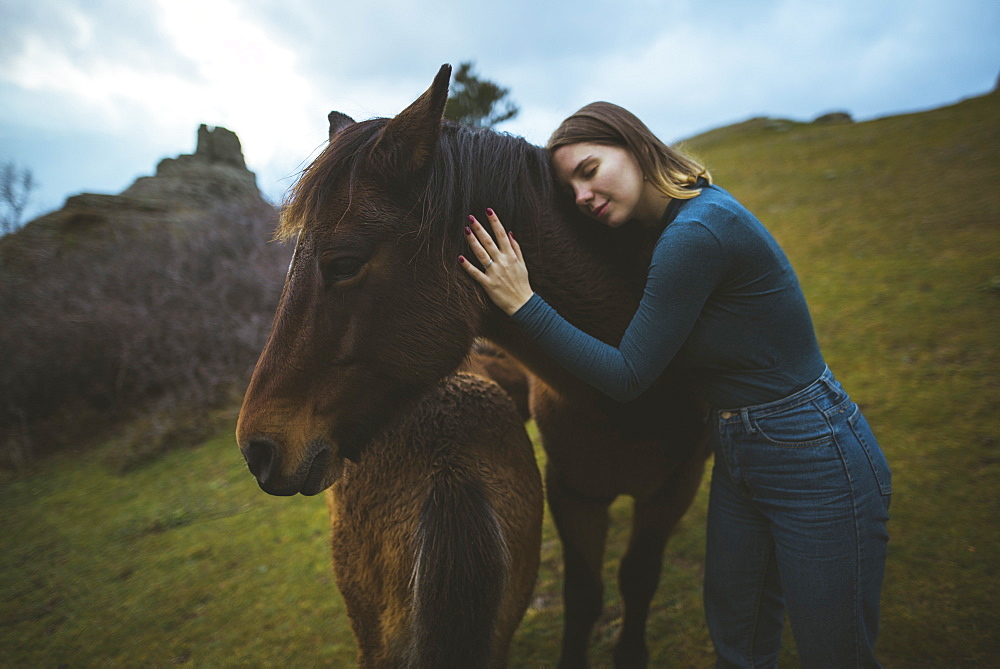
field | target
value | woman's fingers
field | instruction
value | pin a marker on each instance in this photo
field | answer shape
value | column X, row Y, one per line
column 488, row 250
column 471, row 269
column 502, row 242
column 472, row 237
column 515, row 247
column 482, row 236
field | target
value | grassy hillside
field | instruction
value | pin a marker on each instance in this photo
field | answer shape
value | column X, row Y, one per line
column 893, row 227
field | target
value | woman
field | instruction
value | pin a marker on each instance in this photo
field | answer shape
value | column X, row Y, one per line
column 800, row 489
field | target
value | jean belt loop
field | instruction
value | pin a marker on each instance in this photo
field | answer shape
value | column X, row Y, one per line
column 830, row 383
column 747, row 424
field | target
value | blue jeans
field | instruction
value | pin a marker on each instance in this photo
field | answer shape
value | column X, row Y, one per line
column 796, row 522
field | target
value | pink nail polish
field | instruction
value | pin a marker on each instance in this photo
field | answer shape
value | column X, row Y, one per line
column 472, row 219
column 489, row 212
column 461, row 260
column 511, row 233
column 468, row 230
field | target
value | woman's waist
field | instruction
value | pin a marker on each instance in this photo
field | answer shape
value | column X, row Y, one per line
column 731, row 389
column 825, row 391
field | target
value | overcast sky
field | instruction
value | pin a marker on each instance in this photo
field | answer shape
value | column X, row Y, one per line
column 93, row 93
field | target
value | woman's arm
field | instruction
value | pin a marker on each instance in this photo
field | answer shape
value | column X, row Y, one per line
column 687, row 264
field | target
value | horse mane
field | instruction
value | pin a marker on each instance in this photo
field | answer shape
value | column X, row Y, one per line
column 308, row 198
column 470, row 169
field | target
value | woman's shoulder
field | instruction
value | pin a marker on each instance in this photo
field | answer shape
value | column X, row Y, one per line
column 713, row 195
column 714, row 206
column 717, row 213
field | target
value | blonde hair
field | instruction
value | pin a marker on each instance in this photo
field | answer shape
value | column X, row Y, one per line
column 671, row 172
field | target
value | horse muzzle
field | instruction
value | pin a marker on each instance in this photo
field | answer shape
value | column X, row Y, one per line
column 315, row 473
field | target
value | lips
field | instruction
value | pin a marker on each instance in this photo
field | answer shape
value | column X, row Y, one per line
column 316, row 474
column 599, row 212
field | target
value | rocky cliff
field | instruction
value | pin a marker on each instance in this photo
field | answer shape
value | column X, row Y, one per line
column 215, row 171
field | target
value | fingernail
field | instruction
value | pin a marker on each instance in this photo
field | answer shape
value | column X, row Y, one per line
column 489, row 212
column 461, row 259
column 472, row 219
column 511, row 233
column 468, row 230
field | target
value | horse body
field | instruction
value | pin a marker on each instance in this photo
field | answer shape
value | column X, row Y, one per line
column 375, row 308
column 493, row 363
column 651, row 449
column 436, row 531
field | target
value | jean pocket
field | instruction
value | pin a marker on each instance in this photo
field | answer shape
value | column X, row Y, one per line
column 876, row 458
column 795, row 427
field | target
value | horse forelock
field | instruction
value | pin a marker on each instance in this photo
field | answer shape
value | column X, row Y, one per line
column 310, row 195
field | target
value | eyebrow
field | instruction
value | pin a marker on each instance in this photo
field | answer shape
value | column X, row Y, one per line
column 576, row 171
column 579, row 166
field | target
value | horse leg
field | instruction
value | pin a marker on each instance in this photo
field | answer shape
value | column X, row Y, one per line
column 582, row 523
column 653, row 519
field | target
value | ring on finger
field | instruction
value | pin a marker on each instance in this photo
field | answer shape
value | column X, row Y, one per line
column 487, row 265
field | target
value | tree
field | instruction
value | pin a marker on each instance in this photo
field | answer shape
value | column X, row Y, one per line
column 478, row 102
column 15, row 190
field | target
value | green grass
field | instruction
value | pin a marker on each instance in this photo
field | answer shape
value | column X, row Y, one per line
column 183, row 560
column 894, row 228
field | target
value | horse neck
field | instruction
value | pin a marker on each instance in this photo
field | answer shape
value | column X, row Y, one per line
column 590, row 286
column 591, row 276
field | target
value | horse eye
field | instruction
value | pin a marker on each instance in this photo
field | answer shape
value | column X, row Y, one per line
column 339, row 269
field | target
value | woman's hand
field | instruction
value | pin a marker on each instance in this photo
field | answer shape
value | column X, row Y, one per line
column 505, row 276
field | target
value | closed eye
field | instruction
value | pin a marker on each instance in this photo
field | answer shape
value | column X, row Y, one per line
column 339, row 269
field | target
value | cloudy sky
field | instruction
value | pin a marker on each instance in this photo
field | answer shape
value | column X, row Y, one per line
column 93, row 93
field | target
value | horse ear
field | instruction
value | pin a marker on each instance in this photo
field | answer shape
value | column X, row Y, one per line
column 338, row 122
column 410, row 137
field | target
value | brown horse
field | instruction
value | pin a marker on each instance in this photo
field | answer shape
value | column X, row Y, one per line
column 493, row 363
column 436, row 531
column 376, row 308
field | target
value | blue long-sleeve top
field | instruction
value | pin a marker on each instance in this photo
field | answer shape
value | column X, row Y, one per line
column 721, row 298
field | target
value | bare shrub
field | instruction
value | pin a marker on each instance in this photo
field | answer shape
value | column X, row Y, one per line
column 15, row 190
column 119, row 315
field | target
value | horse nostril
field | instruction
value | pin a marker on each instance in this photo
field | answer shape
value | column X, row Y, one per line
column 260, row 456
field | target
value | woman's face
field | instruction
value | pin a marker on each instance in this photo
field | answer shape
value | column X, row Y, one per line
column 606, row 182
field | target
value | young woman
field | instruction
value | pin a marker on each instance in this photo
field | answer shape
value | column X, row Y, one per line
column 800, row 489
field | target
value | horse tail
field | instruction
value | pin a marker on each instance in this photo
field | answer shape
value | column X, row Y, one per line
column 459, row 576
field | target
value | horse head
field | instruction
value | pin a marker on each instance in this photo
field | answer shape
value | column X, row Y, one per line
column 372, row 312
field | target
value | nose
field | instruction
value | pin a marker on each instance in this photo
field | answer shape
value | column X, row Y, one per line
column 260, row 455
column 583, row 195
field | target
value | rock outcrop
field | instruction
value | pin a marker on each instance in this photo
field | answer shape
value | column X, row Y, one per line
column 215, row 171
column 182, row 189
